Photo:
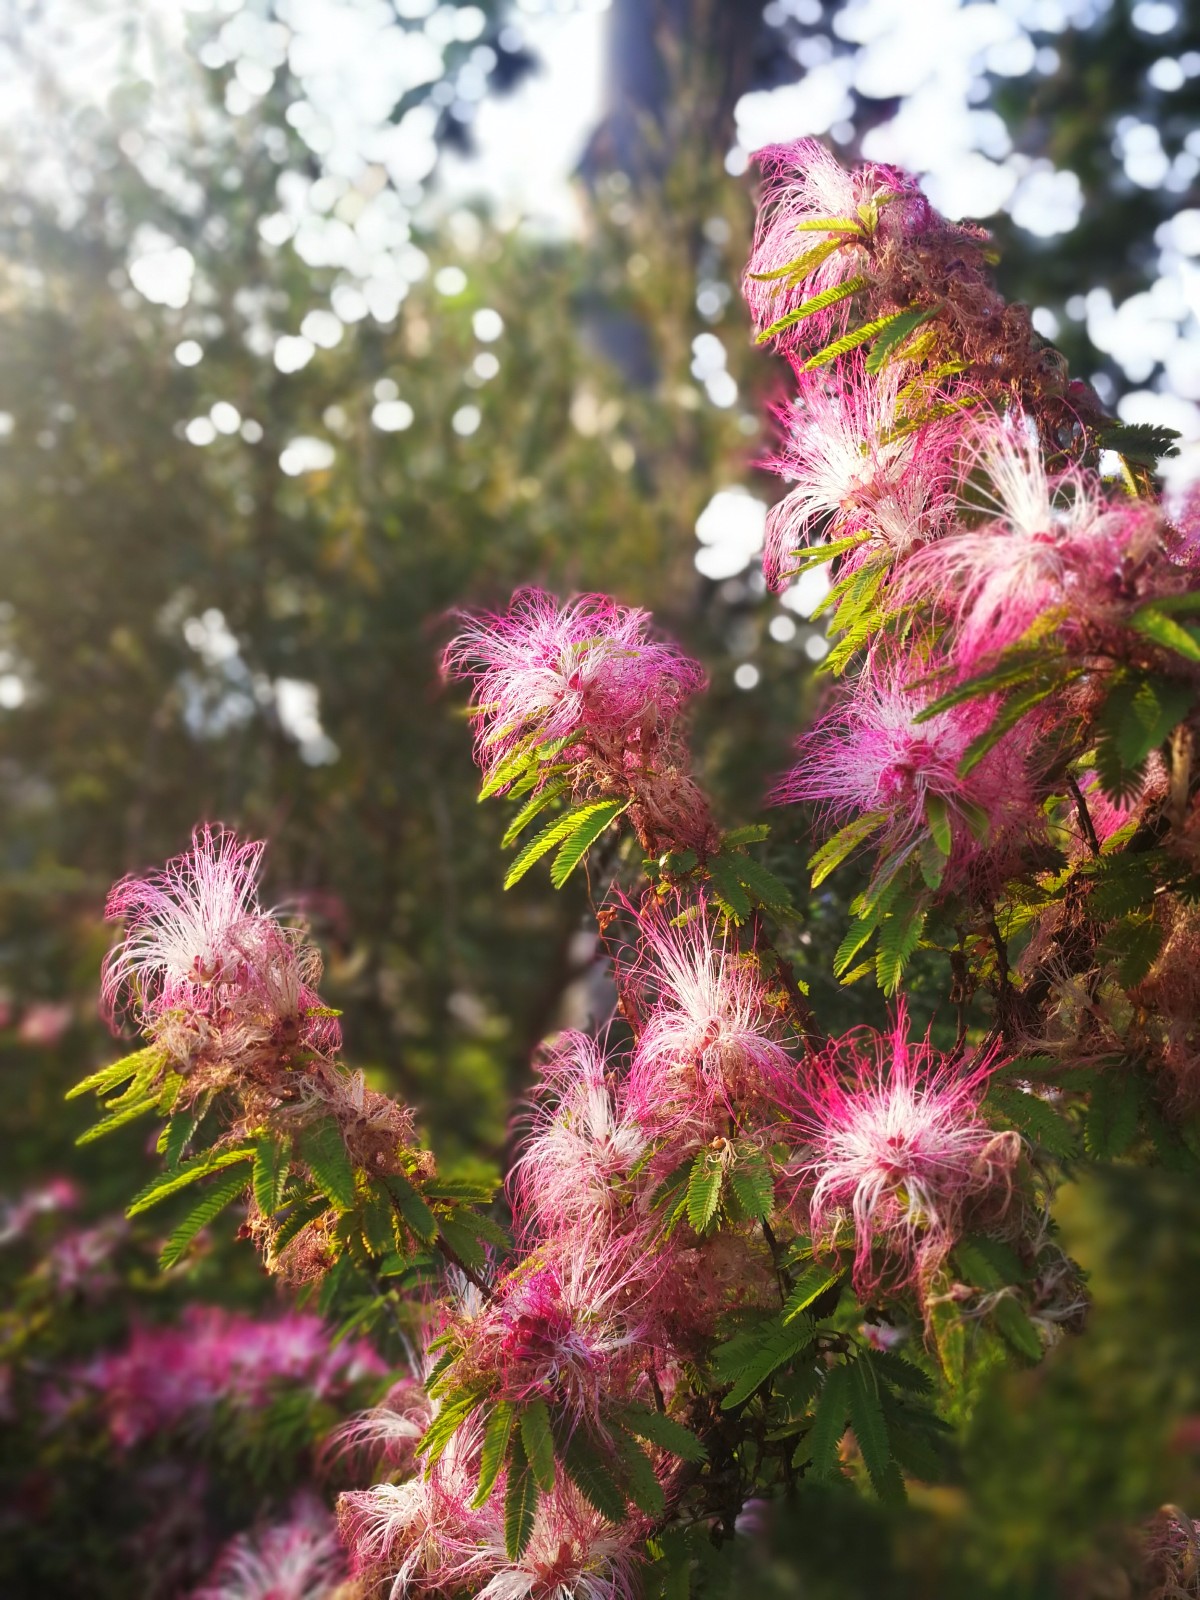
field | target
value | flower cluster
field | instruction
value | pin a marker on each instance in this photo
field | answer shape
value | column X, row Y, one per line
column 298, row 1559
column 586, row 684
column 167, row 1378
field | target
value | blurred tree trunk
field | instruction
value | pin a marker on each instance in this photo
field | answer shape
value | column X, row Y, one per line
column 675, row 72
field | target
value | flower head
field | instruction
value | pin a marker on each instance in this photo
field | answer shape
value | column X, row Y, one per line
column 572, row 1554
column 794, row 256
column 546, row 672
column 853, row 470
column 894, row 1145
column 186, row 926
column 583, row 1139
column 300, row 1559
column 869, row 754
column 710, row 1039
column 1049, row 542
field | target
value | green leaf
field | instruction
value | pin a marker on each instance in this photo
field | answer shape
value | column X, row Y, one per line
column 142, row 1063
column 1139, row 713
column 819, row 302
column 751, row 1180
column 937, row 816
column 555, row 832
column 214, row 1202
column 417, row 1216
column 1112, row 1115
column 835, row 850
column 172, row 1141
column 1133, row 945
column 585, row 835
column 1034, row 1117
column 272, row 1163
column 590, row 1474
column 871, row 1433
column 324, row 1150
column 1154, row 623
column 899, row 937
column 663, row 1431
column 704, row 1190
column 452, row 1413
column 723, row 873
column 306, row 1211
column 804, row 264
column 820, row 1444
column 638, row 1477
column 496, row 1435
column 520, row 1502
column 464, row 1241
column 538, row 1442
column 749, row 1358
column 167, row 1183
column 761, row 883
column 849, row 341
column 118, row 1119
column 531, row 809
column 812, row 1283
column 897, row 1371
column 1143, row 442
column 752, row 833
column 896, row 331
column 1011, row 1320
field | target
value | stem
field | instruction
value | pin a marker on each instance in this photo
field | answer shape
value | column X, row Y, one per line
column 1085, row 816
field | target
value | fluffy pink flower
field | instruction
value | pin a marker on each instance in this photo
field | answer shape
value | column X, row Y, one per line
column 186, row 926
column 894, row 1145
column 44, row 1022
column 388, row 1433
column 560, row 1328
column 869, row 755
column 573, row 1554
column 16, row 1216
column 805, row 185
column 582, row 1141
column 300, row 1559
column 170, row 1376
column 542, row 671
column 1049, row 541
column 710, row 1041
column 851, row 473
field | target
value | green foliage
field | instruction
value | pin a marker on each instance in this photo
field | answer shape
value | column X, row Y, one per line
column 322, row 1148
column 748, row 1359
column 819, row 302
column 520, row 1501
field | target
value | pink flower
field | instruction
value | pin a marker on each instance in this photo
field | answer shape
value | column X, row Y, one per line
column 45, row 1022
column 171, row 1376
column 543, row 672
column 561, row 1327
column 894, row 1146
column 186, row 927
column 804, row 186
column 709, row 1046
column 16, row 1216
column 583, row 1141
column 300, row 1559
column 869, row 755
column 388, row 1433
column 1049, row 542
column 573, row 1554
column 853, row 472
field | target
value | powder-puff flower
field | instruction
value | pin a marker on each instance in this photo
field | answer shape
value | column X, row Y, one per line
column 388, row 1433
column 583, row 1140
column 573, row 1554
column 854, row 471
column 186, row 926
column 793, row 257
column 1050, row 541
column 589, row 667
column 893, row 1143
column 561, row 1327
column 710, row 1040
column 425, row 1533
column 869, row 754
column 1171, row 1551
column 300, row 1559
